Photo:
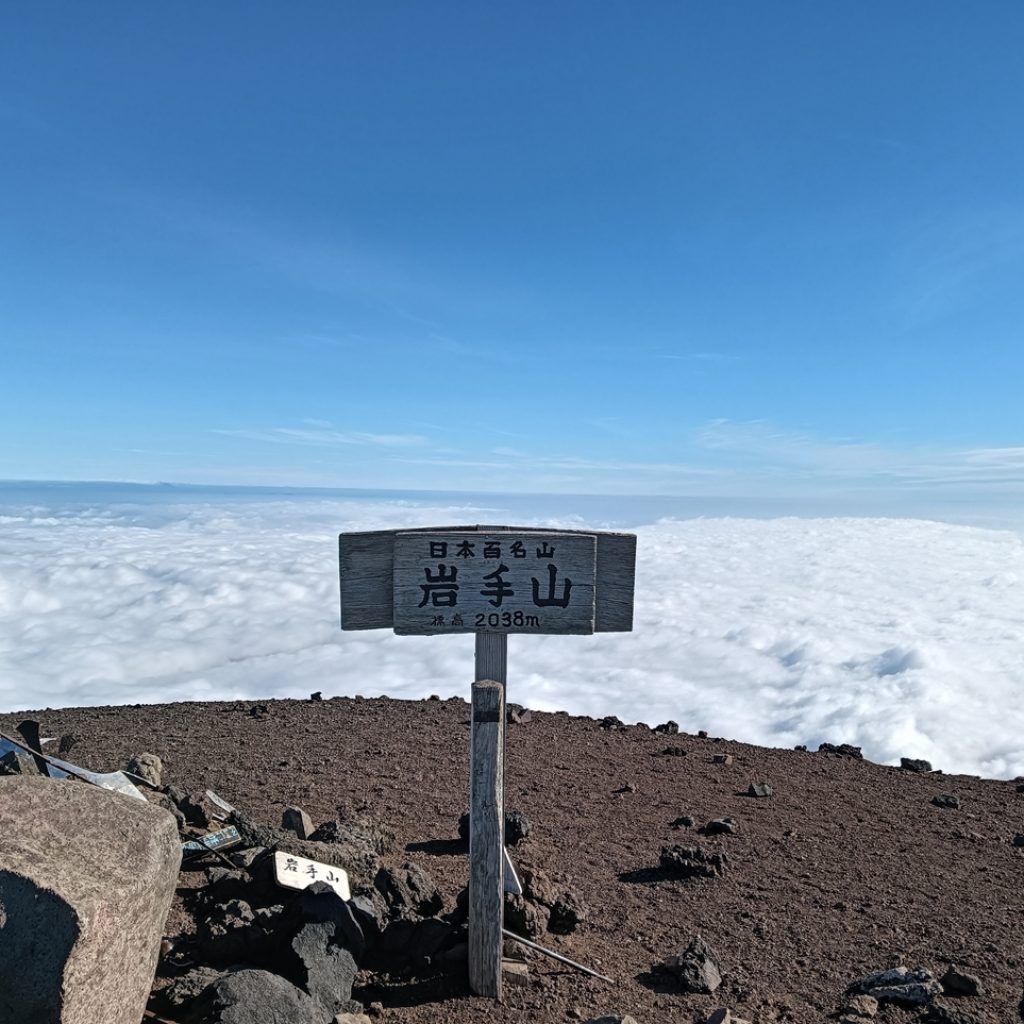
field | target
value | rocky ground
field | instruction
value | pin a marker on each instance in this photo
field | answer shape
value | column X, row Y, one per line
column 837, row 869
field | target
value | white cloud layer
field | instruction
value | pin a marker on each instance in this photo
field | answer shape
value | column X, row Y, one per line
column 902, row 636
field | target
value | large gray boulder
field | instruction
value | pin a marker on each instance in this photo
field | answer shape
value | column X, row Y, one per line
column 86, row 880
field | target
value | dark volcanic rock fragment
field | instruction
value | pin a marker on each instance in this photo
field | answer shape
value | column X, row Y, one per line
column 913, row 764
column 947, row 801
column 696, row 969
column 524, row 917
column 256, row 997
column 668, row 728
column 517, row 828
column 568, row 912
column 843, row 749
column 719, row 827
column 409, row 890
column 692, row 861
column 759, row 789
column 899, row 985
column 943, row 1013
column 960, row 983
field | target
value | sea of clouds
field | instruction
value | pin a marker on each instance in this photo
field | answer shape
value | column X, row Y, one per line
column 900, row 635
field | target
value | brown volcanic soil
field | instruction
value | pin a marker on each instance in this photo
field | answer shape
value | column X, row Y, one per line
column 847, row 869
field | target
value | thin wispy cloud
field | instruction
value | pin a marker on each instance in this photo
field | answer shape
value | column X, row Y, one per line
column 324, row 437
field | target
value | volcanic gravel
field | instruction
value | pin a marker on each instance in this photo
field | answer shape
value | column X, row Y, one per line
column 847, row 868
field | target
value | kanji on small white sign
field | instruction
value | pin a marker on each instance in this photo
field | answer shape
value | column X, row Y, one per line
column 294, row 872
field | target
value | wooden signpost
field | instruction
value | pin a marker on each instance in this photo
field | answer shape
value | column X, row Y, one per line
column 490, row 581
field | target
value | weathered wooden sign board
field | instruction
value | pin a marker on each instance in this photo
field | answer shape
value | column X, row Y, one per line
column 490, row 581
column 378, row 567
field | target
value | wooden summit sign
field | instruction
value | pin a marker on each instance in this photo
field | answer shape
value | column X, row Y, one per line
column 490, row 581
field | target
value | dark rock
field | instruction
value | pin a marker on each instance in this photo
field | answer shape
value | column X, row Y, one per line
column 899, row 985
column 256, row 997
column 316, row 695
column 356, row 828
column 1020, row 787
column 683, row 821
column 612, row 1018
column 409, row 890
column 702, row 733
column 759, row 789
column 325, row 970
column 843, row 749
column 188, row 988
column 673, row 752
column 801, row 747
column 612, row 722
column 539, row 888
column 320, row 904
column 913, row 764
column 517, row 828
column 668, row 728
column 719, row 826
column 722, row 759
column 947, row 801
column 568, row 912
column 230, row 934
column 693, row 862
column 295, row 819
column 696, row 969
column 1018, row 839
column 524, row 917
column 943, row 1013
column 959, row 983
column 627, row 787
column 259, row 711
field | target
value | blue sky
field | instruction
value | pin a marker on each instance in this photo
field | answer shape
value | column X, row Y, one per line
column 677, row 248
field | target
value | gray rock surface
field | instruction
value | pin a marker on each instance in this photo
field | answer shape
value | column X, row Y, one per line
column 899, row 985
column 86, row 880
column 256, row 997
column 696, row 969
column 148, row 767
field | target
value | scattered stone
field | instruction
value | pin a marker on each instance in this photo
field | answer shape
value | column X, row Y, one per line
column 295, row 819
column 259, row 711
column 1018, row 839
column 912, row 764
column 612, row 722
column 722, row 759
column 907, row 988
column 725, row 1016
column 627, row 787
column 842, row 749
column 351, row 1018
column 693, row 862
column 947, row 801
column 148, row 767
column 668, row 728
column 515, row 972
column 959, row 983
column 611, row 1018
column 861, row 1006
column 409, row 890
column 568, row 912
column 719, row 827
column 82, row 918
column 518, row 716
column 256, row 997
column 1020, row 787
column 517, row 828
column 673, row 752
column 943, row 1013
column 683, row 821
column 525, row 917
column 316, row 695
column 188, row 987
column 801, row 747
column 702, row 733
column 696, row 969
column 759, row 789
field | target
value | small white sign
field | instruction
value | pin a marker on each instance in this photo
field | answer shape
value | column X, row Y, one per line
column 294, row 872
